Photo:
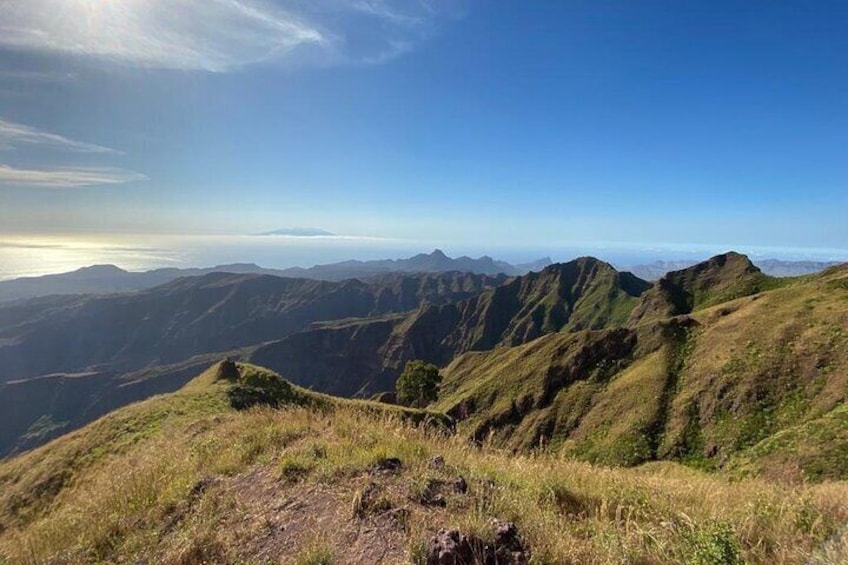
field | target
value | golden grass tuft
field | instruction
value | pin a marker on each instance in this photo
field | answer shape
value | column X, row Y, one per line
column 145, row 504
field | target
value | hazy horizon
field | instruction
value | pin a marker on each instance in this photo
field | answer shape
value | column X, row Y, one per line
column 26, row 255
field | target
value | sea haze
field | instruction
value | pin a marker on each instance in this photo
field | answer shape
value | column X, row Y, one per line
column 33, row 255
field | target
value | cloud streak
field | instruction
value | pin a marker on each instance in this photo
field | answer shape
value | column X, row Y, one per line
column 66, row 178
column 14, row 135
column 218, row 35
column 214, row 35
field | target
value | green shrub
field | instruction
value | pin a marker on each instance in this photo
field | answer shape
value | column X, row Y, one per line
column 715, row 544
column 418, row 385
column 260, row 388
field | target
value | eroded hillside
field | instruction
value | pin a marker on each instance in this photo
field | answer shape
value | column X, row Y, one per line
column 721, row 387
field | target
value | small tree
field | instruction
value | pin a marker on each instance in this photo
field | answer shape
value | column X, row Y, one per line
column 418, row 385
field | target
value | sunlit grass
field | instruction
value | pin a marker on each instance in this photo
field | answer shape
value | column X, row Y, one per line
column 159, row 499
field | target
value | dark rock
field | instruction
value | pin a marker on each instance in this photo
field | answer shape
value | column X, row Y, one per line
column 200, row 487
column 506, row 534
column 390, row 464
column 508, row 545
column 228, row 370
column 431, row 496
column 450, row 547
column 437, row 462
column 460, row 485
column 437, row 500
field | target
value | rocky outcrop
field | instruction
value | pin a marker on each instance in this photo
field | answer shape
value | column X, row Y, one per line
column 453, row 547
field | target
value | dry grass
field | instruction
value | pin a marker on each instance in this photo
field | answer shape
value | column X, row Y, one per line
column 175, row 498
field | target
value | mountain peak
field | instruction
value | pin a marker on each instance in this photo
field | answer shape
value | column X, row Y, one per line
column 719, row 278
column 732, row 258
column 105, row 269
column 716, row 271
column 580, row 263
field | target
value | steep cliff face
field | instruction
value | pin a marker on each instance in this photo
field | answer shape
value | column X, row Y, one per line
column 345, row 359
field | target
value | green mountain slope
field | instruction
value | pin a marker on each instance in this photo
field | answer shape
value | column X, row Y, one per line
column 187, row 478
column 64, row 361
column 369, row 355
column 704, row 388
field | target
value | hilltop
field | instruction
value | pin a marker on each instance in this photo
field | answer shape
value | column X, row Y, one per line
column 193, row 477
column 773, row 267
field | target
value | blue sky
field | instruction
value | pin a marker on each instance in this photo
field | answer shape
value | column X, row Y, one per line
column 485, row 122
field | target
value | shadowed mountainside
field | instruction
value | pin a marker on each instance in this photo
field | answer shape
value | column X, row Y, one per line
column 35, row 410
column 190, row 316
column 368, row 355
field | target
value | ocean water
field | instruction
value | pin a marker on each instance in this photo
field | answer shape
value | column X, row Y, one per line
column 32, row 255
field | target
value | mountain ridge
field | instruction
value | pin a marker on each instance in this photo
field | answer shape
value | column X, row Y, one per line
column 722, row 386
column 585, row 292
column 110, row 279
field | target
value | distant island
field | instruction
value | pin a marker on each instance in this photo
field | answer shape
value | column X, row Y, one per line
column 299, row 232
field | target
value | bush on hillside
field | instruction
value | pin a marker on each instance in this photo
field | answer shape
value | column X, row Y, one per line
column 418, row 385
column 260, row 388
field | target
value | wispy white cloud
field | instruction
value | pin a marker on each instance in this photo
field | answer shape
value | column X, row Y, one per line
column 218, row 35
column 69, row 177
column 14, row 135
column 181, row 34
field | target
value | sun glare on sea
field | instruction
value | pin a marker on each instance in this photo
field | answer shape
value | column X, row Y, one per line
column 44, row 254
